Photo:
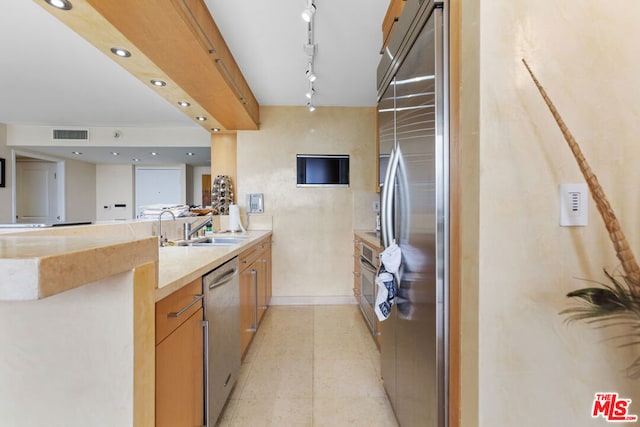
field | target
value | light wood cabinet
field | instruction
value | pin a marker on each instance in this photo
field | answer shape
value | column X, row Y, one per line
column 179, row 358
column 390, row 19
column 247, row 308
column 255, row 290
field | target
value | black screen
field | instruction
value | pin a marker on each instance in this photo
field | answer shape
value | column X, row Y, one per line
column 323, row 170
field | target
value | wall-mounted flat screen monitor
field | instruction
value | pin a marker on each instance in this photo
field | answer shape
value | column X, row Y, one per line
column 322, row 170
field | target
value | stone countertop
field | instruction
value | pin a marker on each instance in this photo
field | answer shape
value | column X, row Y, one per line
column 180, row 265
column 370, row 237
column 38, row 266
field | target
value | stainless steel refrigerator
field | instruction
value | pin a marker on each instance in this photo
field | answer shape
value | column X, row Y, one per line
column 414, row 143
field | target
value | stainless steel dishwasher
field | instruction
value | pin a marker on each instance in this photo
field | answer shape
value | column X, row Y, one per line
column 222, row 341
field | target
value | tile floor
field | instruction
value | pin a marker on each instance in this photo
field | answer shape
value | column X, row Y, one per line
column 310, row 366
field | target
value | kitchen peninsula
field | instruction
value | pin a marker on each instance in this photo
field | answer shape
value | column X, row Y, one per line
column 77, row 316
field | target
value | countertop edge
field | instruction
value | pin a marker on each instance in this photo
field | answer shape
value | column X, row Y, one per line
column 39, row 277
column 366, row 236
column 220, row 256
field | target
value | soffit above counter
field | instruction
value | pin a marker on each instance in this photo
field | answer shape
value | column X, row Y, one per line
column 178, row 43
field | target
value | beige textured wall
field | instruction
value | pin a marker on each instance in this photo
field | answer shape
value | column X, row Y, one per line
column 534, row 370
column 312, row 227
column 69, row 358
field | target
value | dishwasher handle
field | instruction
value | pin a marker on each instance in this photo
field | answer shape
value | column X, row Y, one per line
column 222, row 279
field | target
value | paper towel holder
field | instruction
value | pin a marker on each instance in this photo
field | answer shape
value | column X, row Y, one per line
column 255, row 203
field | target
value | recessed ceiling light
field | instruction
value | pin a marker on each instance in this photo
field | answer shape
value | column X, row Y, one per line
column 158, row 83
column 183, row 103
column 77, row 153
column 136, row 160
column 153, row 153
column 118, row 51
column 115, row 153
column 215, row 129
column 191, row 154
column 200, row 118
column 60, row 4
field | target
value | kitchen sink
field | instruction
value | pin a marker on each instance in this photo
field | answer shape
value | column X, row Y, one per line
column 215, row 241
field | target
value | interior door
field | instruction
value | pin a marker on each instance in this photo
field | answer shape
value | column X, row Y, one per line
column 36, row 192
column 159, row 186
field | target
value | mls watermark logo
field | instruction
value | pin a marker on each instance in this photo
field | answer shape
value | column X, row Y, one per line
column 612, row 408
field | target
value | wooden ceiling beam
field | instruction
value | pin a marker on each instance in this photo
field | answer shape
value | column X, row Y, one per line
column 176, row 41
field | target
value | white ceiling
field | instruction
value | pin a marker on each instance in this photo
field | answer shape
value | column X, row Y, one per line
column 50, row 76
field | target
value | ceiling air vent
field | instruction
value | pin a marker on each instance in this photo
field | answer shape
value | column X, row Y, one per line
column 70, row 134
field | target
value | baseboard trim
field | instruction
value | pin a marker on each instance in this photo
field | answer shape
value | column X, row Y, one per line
column 318, row 300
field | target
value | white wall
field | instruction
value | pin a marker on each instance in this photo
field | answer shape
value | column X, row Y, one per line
column 5, row 192
column 80, row 188
column 104, row 136
column 312, row 227
column 114, row 185
column 532, row 368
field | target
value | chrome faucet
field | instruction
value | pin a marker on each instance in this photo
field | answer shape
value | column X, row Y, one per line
column 188, row 231
column 163, row 239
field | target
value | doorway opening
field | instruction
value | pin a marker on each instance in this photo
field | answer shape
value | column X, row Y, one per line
column 38, row 188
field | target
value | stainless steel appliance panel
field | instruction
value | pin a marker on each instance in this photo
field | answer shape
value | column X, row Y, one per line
column 368, row 268
column 414, row 341
column 222, row 352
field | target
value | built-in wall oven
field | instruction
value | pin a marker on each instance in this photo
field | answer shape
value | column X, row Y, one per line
column 368, row 269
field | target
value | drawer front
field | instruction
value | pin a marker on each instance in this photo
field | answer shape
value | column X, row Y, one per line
column 175, row 309
column 250, row 255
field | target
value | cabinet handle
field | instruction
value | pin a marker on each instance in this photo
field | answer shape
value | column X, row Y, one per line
column 255, row 286
column 196, row 298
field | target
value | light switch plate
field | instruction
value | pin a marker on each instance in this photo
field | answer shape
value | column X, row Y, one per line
column 574, row 204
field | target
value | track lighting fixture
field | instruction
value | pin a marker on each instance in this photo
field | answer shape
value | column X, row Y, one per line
column 309, row 11
column 310, row 75
column 310, row 92
column 310, row 51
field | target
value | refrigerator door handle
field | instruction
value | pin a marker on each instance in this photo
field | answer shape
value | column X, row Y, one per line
column 387, row 198
column 384, row 201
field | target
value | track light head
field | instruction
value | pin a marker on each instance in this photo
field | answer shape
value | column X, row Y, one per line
column 308, row 12
column 311, row 107
column 310, row 93
column 310, row 75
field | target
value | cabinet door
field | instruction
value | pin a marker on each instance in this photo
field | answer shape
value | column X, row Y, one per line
column 261, row 267
column 248, row 321
column 180, row 376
